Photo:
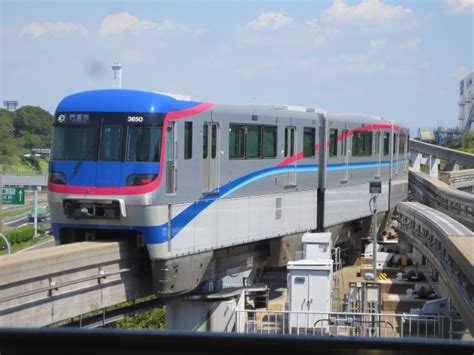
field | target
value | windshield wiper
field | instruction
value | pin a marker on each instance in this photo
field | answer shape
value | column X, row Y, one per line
column 80, row 161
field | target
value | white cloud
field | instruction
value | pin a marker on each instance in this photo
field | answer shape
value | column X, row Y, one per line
column 36, row 30
column 459, row 7
column 319, row 33
column 461, row 72
column 262, row 30
column 122, row 22
column 378, row 43
column 125, row 22
column 371, row 13
column 269, row 21
column 411, row 43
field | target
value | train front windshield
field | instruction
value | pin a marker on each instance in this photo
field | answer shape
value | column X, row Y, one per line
column 106, row 140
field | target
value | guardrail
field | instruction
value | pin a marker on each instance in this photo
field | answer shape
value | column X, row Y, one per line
column 448, row 154
column 449, row 248
column 46, row 286
column 383, row 325
column 435, row 193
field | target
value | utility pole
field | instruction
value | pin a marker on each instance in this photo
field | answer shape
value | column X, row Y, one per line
column 35, row 221
column 375, row 188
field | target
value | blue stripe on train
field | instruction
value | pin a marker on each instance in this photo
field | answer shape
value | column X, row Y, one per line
column 159, row 234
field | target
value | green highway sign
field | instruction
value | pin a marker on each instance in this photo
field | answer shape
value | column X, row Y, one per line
column 13, row 196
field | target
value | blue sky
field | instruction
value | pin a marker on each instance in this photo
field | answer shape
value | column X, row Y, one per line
column 399, row 59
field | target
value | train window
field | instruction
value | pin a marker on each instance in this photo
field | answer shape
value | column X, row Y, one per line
column 308, row 142
column 402, row 144
column 75, row 143
column 386, row 143
column 205, row 141
column 214, row 141
column 253, row 145
column 395, row 138
column 110, row 146
column 269, row 141
column 333, row 142
column 361, row 144
column 188, row 140
column 236, row 141
column 144, row 144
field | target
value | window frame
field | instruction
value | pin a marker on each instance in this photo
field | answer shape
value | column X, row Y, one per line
column 262, row 128
column 331, row 131
column 127, row 140
column 188, row 143
column 313, row 141
column 386, row 138
column 275, row 145
column 362, row 141
column 259, row 145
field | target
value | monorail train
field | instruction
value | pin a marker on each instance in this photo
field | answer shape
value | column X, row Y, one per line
column 192, row 181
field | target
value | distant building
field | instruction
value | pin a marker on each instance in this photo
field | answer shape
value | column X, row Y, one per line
column 466, row 107
column 426, row 135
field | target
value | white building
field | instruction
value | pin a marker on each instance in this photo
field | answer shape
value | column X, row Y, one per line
column 466, row 107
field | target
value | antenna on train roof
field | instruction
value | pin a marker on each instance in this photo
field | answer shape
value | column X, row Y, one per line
column 117, row 68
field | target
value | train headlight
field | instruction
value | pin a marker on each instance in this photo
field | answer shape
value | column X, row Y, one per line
column 140, row 179
column 57, row 178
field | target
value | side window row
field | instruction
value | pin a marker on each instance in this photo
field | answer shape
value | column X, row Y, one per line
column 362, row 143
column 248, row 141
column 252, row 141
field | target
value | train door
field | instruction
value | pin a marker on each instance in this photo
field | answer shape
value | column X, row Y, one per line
column 170, row 159
column 210, row 157
column 345, row 154
column 378, row 152
column 290, row 150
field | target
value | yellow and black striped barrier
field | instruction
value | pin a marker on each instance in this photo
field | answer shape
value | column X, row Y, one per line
column 383, row 276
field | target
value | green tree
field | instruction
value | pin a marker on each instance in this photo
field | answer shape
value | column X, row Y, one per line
column 7, row 147
column 468, row 142
column 33, row 124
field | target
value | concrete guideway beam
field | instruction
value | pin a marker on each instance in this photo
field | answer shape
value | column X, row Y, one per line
column 50, row 285
column 448, row 154
column 448, row 246
column 435, row 193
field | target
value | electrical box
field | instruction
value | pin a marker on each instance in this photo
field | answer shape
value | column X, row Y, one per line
column 375, row 187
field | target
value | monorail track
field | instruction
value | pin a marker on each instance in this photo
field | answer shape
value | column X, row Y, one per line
column 435, row 193
column 448, row 247
column 46, row 286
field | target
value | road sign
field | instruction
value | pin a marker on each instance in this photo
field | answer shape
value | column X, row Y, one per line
column 13, row 196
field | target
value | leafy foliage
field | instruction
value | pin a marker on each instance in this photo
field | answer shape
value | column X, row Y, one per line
column 21, row 234
column 20, row 131
column 466, row 144
column 154, row 319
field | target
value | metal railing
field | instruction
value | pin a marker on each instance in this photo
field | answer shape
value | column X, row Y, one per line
column 384, row 325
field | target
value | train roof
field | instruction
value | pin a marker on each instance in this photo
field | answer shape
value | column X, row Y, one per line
column 123, row 100
column 127, row 100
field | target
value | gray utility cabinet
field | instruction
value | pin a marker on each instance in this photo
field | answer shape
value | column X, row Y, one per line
column 310, row 283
